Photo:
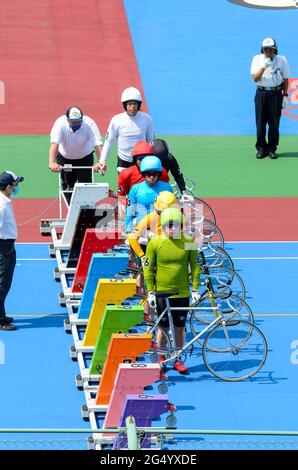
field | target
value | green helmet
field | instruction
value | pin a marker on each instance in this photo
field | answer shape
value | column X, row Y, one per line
column 172, row 214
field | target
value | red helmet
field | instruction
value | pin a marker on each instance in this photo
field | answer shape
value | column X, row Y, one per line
column 142, row 148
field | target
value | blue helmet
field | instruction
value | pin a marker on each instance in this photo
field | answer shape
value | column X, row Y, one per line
column 151, row 163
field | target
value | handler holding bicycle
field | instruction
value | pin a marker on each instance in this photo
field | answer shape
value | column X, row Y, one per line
column 169, row 257
column 74, row 138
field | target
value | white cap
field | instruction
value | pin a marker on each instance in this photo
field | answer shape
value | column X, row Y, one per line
column 75, row 114
column 269, row 42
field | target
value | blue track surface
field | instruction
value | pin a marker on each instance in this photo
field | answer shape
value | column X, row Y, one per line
column 195, row 62
column 39, row 375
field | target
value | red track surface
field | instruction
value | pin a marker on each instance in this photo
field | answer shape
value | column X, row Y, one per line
column 240, row 219
column 257, row 219
column 72, row 55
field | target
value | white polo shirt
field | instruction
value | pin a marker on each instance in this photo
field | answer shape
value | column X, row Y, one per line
column 275, row 74
column 8, row 226
column 128, row 130
column 75, row 145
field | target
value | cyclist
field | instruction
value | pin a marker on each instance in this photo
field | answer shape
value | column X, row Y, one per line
column 141, row 197
column 169, row 162
column 132, row 175
column 169, row 257
column 151, row 222
column 128, row 128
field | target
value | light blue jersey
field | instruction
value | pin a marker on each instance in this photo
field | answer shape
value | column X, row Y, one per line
column 141, row 199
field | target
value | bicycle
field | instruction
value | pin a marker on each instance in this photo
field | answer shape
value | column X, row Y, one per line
column 221, row 277
column 215, row 256
column 225, row 341
column 207, row 210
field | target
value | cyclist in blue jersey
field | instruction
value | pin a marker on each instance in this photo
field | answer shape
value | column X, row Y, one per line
column 141, row 197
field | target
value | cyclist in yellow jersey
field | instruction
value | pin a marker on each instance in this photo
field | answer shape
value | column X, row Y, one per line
column 151, row 222
column 166, row 269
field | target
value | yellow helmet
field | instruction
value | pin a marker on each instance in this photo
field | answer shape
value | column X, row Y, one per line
column 164, row 200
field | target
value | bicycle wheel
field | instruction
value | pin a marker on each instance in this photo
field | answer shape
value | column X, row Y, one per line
column 231, row 308
column 215, row 256
column 205, row 232
column 225, row 280
column 154, row 354
column 234, row 350
column 206, row 209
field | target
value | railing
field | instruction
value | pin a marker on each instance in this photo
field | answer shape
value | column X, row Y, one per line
column 181, row 439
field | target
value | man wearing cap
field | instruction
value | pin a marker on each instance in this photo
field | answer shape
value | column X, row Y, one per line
column 270, row 72
column 74, row 138
column 128, row 128
column 8, row 234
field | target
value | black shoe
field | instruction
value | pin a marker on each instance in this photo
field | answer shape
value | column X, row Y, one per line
column 272, row 155
column 261, row 153
column 6, row 320
column 7, row 327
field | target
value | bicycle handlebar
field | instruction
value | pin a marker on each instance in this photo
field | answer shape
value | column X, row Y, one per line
column 69, row 167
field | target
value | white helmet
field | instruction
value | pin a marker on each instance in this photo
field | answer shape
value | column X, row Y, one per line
column 132, row 94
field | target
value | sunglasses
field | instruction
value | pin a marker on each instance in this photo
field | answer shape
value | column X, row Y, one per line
column 174, row 225
column 152, row 173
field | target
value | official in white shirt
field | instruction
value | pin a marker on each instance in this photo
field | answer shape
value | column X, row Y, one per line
column 129, row 128
column 270, row 72
column 8, row 233
column 74, row 138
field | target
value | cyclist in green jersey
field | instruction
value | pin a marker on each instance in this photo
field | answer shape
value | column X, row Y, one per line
column 169, row 259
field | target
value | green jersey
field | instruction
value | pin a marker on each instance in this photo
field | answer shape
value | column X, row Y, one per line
column 168, row 264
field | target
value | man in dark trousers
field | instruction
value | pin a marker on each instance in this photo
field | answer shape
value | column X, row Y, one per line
column 74, row 139
column 270, row 72
column 8, row 233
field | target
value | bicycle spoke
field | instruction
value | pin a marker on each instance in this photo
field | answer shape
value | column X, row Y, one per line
column 234, row 351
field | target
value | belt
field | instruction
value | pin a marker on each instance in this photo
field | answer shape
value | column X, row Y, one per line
column 269, row 88
column 7, row 240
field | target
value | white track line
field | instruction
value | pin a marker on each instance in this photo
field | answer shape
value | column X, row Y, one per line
column 33, row 243
column 35, row 259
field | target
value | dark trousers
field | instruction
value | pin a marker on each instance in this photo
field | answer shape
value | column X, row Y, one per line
column 69, row 178
column 123, row 163
column 179, row 316
column 7, row 265
column 268, row 111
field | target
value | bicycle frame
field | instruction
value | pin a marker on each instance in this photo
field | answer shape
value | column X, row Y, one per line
column 179, row 352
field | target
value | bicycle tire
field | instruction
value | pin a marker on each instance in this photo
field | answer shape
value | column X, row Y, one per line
column 216, row 257
column 226, row 280
column 202, row 230
column 227, row 364
column 230, row 306
column 213, row 233
column 207, row 210
column 151, row 327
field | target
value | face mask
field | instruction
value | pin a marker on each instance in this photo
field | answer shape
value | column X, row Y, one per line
column 75, row 127
column 15, row 192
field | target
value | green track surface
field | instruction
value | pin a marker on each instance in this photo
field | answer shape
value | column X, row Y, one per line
column 222, row 166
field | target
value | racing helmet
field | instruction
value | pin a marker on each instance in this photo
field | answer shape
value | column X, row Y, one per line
column 131, row 94
column 164, row 200
column 172, row 214
column 142, row 148
column 151, row 163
